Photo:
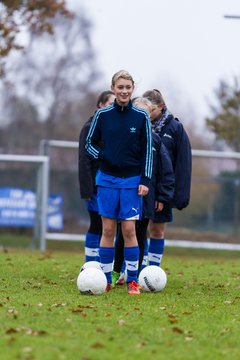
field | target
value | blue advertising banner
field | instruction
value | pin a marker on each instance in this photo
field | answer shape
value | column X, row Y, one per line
column 18, row 206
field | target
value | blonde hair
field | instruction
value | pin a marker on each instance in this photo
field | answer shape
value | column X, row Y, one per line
column 144, row 103
column 122, row 74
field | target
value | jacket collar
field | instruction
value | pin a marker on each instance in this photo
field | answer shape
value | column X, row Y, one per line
column 122, row 108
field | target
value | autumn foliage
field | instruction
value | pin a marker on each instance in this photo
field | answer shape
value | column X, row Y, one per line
column 31, row 15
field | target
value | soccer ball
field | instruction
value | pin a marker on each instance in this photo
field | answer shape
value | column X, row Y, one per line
column 92, row 281
column 152, row 278
column 91, row 264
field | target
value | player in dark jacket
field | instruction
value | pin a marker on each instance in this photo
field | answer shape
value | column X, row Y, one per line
column 161, row 191
column 176, row 140
column 87, row 170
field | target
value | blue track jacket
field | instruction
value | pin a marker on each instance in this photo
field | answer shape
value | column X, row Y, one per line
column 120, row 137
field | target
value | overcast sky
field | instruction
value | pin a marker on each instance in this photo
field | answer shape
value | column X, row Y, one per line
column 178, row 46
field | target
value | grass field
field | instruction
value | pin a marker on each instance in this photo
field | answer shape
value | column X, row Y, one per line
column 44, row 317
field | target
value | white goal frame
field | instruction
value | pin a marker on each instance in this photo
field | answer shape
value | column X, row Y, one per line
column 41, row 193
column 45, row 150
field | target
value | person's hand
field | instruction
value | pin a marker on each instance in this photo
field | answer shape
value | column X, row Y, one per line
column 158, row 206
column 142, row 190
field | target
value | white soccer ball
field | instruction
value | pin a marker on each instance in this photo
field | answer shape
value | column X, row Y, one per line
column 152, row 278
column 91, row 264
column 92, row 281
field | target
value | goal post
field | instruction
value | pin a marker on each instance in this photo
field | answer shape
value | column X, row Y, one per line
column 40, row 222
column 43, row 160
column 216, row 154
column 45, row 149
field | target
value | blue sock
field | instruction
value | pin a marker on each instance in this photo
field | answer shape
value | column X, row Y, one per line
column 92, row 242
column 155, row 252
column 131, row 256
column 145, row 255
column 106, row 259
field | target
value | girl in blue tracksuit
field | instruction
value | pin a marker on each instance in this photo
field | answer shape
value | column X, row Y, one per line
column 161, row 191
column 87, row 170
column 176, row 140
column 124, row 132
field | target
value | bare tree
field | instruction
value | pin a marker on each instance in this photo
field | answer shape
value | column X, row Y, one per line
column 57, row 74
column 225, row 123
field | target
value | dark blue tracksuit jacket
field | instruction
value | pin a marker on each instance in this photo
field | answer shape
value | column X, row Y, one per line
column 178, row 145
column 161, row 188
column 126, row 141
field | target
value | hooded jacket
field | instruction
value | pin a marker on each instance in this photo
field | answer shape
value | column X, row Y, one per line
column 178, row 145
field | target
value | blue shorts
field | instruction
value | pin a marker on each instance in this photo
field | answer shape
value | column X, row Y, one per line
column 92, row 204
column 120, row 204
